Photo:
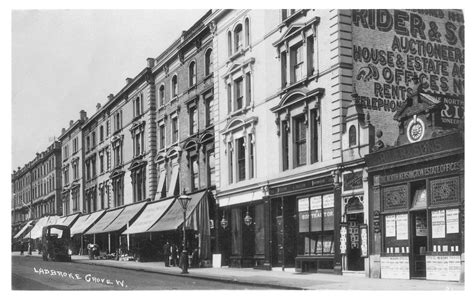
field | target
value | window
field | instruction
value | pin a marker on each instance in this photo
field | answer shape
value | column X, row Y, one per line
column 137, row 106
column 283, row 69
column 248, row 90
column 316, row 225
column 74, row 145
column 229, row 43
column 75, row 170
column 239, row 96
column 93, row 140
column 209, row 104
column 162, row 136
column 174, row 86
column 101, row 162
column 285, row 146
column 118, row 120
column 174, row 129
column 251, row 148
column 101, row 133
column 107, row 128
column 161, row 95
column 300, row 140
column 108, row 162
column 138, row 181
column 238, row 38
column 352, row 136
column 285, row 13
column 117, row 154
column 247, row 32
column 231, row 163
column 94, row 172
column 192, row 74
column 75, row 199
column 194, row 173
column 211, row 168
column 310, row 55
column 314, row 135
column 240, row 159
column 193, row 122
column 296, row 63
column 208, row 62
column 66, row 175
column 117, row 184
column 65, row 153
column 229, row 98
column 102, row 197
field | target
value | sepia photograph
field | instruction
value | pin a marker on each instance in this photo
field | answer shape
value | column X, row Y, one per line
column 237, row 149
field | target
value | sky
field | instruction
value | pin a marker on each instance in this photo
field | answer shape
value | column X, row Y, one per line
column 64, row 61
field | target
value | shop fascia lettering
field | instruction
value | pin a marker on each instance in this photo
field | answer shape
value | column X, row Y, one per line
column 424, row 172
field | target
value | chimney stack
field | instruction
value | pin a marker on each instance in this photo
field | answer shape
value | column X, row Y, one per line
column 150, row 62
column 110, row 96
column 71, row 122
column 128, row 80
column 98, row 106
column 83, row 115
column 63, row 131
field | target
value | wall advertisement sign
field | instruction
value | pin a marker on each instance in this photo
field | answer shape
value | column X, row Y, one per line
column 402, row 227
column 364, row 251
column 438, row 224
column 395, row 267
column 390, row 47
column 446, row 268
column 390, row 230
column 452, row 221
column 303, row 204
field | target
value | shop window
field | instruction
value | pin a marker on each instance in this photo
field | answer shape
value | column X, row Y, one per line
column 316, row 225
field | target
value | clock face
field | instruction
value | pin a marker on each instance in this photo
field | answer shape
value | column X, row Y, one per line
column 416, row 130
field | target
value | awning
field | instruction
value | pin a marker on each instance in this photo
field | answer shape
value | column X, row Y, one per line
column 66, row 220
column 149, row 216
column 240, row 198
column 23, row 229
column 161, row 182
column 84, row 222
column 37, row 231
column 174, row 180
column 174, row 216
column 128, row 213
column 104, row 222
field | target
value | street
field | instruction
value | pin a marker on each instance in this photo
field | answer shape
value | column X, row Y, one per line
column 32, row 273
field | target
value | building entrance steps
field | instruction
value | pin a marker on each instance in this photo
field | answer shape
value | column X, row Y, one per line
column 275, row 279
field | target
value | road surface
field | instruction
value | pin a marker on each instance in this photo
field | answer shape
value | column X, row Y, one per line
column 32, row 273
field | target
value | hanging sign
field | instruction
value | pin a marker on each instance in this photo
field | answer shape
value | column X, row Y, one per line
column 452, row 221
column 390, row 226
column 438, row 224
column 402, row 227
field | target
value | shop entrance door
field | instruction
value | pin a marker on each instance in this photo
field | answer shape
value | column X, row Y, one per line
column 354, row 260
column 283, row 232
column 419, row 242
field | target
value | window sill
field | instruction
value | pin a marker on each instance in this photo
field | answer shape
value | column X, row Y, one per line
column 237, row 54
column 295, row 85
column 239, row 112
column 293, row 17
column 193, row 87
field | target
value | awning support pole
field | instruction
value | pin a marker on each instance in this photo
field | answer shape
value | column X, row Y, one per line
column 108, row 235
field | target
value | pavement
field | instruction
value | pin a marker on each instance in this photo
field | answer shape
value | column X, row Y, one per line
column 276, row 278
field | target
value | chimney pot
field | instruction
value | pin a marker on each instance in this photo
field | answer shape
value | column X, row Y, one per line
column 150, row 62
column 83, row 115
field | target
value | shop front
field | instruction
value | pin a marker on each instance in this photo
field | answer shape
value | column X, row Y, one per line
column 305, row 225
column 417, row 199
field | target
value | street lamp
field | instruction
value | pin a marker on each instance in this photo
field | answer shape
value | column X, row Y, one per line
column 184, row 201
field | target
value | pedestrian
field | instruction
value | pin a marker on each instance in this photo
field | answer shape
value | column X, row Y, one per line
column 166, row 253
column 90, row 251
column 174, row 254
column 22, row 247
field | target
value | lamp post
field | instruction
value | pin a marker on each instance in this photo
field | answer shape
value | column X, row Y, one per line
column 184, row 201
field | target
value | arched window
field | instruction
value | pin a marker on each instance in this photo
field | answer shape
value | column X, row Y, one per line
column 192, row 74
column 238, row 38
column 208, row 62
column 174, row 86
column 352, row 136
column 161, row 95
column 247, row 32
column 229, row 43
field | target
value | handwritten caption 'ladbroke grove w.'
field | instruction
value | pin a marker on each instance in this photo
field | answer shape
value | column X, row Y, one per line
column 89, row 278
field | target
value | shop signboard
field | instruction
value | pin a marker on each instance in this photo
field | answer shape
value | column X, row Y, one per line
column 395, row 267
column 402, row 227
column 452, row 221
column 443, row 267
column 438, row 224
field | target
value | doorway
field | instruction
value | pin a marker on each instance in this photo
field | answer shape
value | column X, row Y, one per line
column 354, row 260
column 419, row 238
column 284, row 236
